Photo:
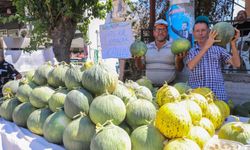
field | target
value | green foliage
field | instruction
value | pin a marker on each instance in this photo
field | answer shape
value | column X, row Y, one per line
column 46, row 15
column 216, row 10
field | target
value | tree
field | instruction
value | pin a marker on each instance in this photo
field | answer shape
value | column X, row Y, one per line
column 216, row 10
column 57, row 20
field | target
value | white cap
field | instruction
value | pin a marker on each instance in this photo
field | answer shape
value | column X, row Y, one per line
column 161, row 21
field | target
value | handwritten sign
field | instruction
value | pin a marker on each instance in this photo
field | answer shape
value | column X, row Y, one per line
column 172, row 2
column 116, row 39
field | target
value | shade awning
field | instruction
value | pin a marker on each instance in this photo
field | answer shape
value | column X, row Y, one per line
column 77, row 43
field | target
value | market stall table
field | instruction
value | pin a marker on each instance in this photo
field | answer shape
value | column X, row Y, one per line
column 13, row 137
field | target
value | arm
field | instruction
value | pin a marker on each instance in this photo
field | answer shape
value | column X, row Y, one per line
column 210, row 41
column 235, row 60
column 139, row 63
column 179, row 64
column 14, row 73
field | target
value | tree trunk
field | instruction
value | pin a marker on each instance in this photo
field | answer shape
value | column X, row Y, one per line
column 62, row 36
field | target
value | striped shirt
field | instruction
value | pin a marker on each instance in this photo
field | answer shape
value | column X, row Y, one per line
column 160, row 64
column 7, row 72
column 208, row 72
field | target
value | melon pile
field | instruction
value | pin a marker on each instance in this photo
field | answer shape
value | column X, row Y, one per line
column 89, row 108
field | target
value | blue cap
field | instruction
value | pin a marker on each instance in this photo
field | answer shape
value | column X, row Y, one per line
column 161, row 21
column 202, row 19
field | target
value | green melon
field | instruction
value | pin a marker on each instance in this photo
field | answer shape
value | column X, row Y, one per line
column 181, row 144
column 107, row 107
column 138, row 48
column 182, row 87
column 147, row 137
column 77, row 101
column 140, row 112
column 22, row 112
column 57, row 99
column 235, row 131
column 110, row 137
column 10, row 88
column 54, row 126
column 225, row 33
column 99, row 79
column 36, row 120
column 180, row 45
column 78, row 134
column 7, row 108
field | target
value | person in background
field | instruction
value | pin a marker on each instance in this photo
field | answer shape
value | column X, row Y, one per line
column 183, row 32
column 244, row 43
column 7, row 72
column 204, row 59
column 242, row 23
column 160, row 63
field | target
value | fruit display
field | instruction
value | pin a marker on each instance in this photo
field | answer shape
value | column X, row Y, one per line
column 98, row 112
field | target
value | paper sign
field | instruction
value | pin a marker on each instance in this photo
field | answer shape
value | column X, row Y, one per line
column 172, row 2
column 116, row 39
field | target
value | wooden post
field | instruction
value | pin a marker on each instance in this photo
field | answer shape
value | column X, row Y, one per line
column 152, row 17
column 247, row 5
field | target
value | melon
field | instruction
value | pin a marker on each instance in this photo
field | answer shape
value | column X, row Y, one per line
column 36, row 120
column 10, row 88
column 24, row 91
column 199, row 135
column 110, row 137
column 193, row 109
column 41, row 74
column 7, row 108
column 167, row 94
column 143, row 92
column 214, row 114
column 78, row 134
column 144, row 81
column 182, row 87
column 22, row 112
column 77, row 101
column 138, row 48
column 107, row 107
column 54, row 126
column 140, row 112
column 208, row 125
column 147, row 137
column 73, row 77
column 225, row 33
column 57, row 99
column 124, row 93
column 236, row 131
column 181, row 144
column 173, row 120
column 99, row 79
column 180, row 45
column 40, row 95
column 56, row 76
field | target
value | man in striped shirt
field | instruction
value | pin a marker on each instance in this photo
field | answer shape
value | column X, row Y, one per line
column 7, row 72
column 160, row 63
column 204, row 60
